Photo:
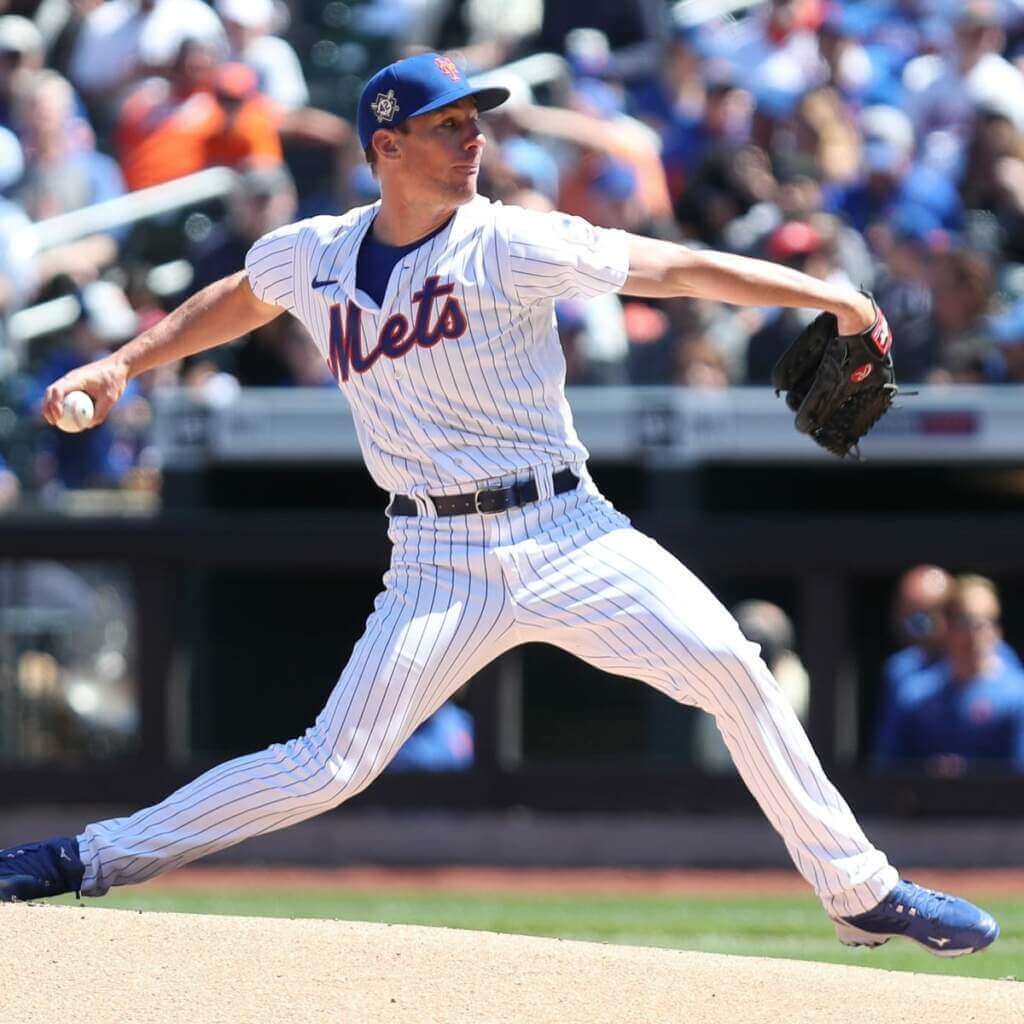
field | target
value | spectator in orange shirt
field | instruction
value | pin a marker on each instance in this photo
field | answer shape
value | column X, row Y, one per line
column 249, row 134
column 195, row 118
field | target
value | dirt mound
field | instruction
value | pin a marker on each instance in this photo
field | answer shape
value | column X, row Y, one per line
column 121, row 967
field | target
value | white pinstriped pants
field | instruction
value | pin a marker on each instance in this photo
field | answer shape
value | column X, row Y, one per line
column 569, row 571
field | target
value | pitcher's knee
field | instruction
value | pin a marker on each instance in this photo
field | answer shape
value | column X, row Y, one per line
column 334, row 769
column 728, row 674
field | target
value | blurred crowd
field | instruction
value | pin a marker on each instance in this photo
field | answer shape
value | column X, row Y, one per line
column 875, row 142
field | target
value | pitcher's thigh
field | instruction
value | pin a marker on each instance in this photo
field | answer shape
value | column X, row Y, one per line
column 426, row 637
column 638, row 611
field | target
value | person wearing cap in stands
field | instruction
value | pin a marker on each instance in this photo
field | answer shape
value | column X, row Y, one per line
column 204, row 114
column 796, row 244
column 249, row 133
column 921, row 594
column 265, row 199
column 963, row 285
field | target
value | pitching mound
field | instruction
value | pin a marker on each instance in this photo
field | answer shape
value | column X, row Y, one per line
column 120, row 967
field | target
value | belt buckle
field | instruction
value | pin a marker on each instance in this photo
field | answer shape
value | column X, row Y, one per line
column 483, row 511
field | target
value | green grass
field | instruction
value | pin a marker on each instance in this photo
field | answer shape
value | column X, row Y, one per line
column 787, row 927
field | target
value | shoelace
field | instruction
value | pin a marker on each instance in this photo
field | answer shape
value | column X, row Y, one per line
column 17, row 851
column 39, row 862
column 927, row 908
column 933, row 902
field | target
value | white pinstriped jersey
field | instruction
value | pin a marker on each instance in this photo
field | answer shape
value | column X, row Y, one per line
column 458, row 378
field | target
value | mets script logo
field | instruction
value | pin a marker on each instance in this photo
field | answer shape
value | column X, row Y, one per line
column 385, row 106
column 448, row 67
column 396, row 337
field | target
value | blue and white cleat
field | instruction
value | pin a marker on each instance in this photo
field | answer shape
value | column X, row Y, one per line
column 944, row 925
column 37, row 870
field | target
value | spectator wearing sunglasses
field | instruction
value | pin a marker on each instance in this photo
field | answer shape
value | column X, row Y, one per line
column 920, row 625
column 918, row 621
column 974, row 713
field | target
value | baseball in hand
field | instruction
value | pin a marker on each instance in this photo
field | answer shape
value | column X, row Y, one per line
column 77, row 412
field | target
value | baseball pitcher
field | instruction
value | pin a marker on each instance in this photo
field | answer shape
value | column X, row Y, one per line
column 433, row 309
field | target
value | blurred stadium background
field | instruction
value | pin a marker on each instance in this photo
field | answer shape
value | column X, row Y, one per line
column 184, row 584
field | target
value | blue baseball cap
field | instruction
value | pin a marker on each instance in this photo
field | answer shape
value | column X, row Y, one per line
column 414, row 86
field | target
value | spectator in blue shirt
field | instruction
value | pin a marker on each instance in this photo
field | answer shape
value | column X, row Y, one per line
column 63, row 170
column 443, row 743
column 974, row 712
column 921, row 594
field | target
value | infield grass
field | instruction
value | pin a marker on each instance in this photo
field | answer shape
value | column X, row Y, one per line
column 773, row 926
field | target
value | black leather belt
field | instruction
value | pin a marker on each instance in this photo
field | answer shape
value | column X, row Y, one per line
column 488, row 503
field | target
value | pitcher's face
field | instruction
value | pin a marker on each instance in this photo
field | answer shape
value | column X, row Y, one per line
column 440, row 153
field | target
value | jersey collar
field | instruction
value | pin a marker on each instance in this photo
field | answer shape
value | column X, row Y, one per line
column 466, row 218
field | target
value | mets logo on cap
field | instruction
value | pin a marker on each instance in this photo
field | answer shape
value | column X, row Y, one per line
column 448, row 67
column 417, row 85
column 385, row 106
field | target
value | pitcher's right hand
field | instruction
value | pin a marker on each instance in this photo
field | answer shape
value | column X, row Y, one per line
column 103, row 381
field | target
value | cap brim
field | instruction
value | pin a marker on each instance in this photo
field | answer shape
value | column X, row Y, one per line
column 486, row 99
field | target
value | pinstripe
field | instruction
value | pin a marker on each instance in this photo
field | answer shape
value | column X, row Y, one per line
column 507, row 465
column 381, row 411
column 425, row 262
column 273, row 774
column 510, row 329
column 340, row 249
column 417, row 425
column 488, row 642
column 413, row 662
column 418, row 715
column 385, row 409
column 244, row 767
column 376, row 672
column 512, row 381
column 563, row 276
column 257, row 261
column 698, row 667
column 302, row 293
column 376, row 709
